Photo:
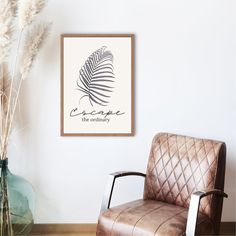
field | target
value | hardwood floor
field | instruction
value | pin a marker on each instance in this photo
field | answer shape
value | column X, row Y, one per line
column 66, row 234
column 64, row 230
column 227, row 229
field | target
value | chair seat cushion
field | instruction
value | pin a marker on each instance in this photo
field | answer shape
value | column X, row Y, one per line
column 148, row 217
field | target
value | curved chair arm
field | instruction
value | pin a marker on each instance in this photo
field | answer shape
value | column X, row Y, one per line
column 194, row 206
column 110, row 185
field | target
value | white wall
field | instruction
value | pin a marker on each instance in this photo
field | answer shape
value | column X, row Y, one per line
column 185, row 73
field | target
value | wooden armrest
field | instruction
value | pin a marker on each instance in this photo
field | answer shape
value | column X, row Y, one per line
column 194, row 207
column 110, row 186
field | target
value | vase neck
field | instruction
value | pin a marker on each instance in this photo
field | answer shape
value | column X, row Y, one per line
column 3, row 163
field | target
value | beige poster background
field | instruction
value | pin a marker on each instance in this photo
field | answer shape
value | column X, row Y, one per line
column 76, row 52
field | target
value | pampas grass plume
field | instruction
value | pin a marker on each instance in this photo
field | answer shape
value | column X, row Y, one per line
column 10, row 83
column 6, row 18
column 4, row 88
column 28, row 10
column 32, row 46
column 14, row 4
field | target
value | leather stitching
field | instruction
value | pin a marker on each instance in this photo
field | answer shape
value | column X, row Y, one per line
column 196, row 157
column 122, row 211
column 167, row 221
column 145, row 215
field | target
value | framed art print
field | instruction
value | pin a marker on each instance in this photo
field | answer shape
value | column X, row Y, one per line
column 97, row 84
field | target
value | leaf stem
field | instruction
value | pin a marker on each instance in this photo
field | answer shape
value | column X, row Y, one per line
column 1, row 109
column 7, row 125
column 14, row 108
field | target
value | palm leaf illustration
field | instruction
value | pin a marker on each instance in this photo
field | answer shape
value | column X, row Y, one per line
column 96, row 76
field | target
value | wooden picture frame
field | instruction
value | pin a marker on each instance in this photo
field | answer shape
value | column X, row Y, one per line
column 97, row 85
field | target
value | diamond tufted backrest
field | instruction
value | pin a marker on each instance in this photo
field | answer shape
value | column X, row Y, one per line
column 180, row 165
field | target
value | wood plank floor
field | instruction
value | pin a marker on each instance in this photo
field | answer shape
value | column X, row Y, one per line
column 66, row 234
column 227, row 229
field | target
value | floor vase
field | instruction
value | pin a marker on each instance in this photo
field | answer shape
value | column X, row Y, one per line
column 17, row 201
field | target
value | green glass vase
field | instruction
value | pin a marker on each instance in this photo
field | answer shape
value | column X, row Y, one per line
column 17, row 200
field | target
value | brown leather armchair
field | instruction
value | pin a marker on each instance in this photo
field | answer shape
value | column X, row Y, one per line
column 180, row 168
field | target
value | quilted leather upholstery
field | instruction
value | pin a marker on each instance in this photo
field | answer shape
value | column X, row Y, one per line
column 180, row 165
column 177, row 167
column 148, row 218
